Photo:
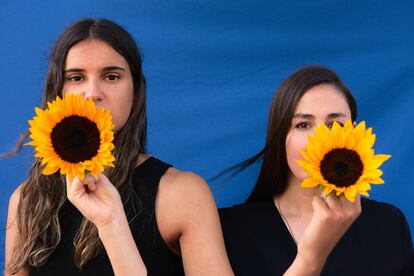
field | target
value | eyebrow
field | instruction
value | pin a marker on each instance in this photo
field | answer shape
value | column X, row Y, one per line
column 105, row 69
column 310, row 116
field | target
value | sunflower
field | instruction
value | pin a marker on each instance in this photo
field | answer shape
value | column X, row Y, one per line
column 73, row 136
column 342, row 160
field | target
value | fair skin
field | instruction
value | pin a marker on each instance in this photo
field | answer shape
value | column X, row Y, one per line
column 185, row 209
column 316, row 221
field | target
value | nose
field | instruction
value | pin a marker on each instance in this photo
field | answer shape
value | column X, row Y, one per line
column 93, row 91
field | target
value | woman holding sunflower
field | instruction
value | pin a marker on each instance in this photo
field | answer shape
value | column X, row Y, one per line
column 306, row 147
column 141, row 215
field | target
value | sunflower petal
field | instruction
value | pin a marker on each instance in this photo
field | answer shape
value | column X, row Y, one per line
column 375, row 173
column 359, row 131
column 377, row 161
column 366, row 144
column 48, row 170
column 350, row 193
column 338, row 135
column 375, row 181
column 363, row 186
column 309, row 182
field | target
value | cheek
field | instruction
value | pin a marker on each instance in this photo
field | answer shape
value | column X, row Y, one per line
column 71, row 88
column 295, row 142
column 67, row 92
column 121, row 110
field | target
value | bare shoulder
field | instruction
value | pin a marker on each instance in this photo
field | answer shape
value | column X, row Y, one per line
column 183, row 199
column 179, row 183
column 11, row 229
column 188, row 221
column 13, row 205
column 15, row 197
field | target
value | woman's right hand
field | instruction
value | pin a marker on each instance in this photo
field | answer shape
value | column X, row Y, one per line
column 99, row 201
column 331, row 218
column 96, row 198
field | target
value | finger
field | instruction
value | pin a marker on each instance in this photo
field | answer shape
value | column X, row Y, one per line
column 102, row 181
column 69, row 181
column 355, row 206
column 358, row 205
column 105, row 186
column 100, row 176
column 333, row 202
column 351, row 210
column 74, row 187
column 319, row 205
column 324, row 194
column 72, row 183
column 358, row 199
column 348, row 203
column 89, row 181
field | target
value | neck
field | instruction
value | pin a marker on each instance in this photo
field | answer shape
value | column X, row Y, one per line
column 297, row 201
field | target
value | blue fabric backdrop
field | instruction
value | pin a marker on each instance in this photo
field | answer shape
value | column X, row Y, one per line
column 212, row 67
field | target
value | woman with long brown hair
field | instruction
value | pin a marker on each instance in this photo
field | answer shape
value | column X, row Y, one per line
column 142, row 216
column 280, row 220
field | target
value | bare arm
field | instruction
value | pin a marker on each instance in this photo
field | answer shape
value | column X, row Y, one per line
column 12, row 233
column 121, row 248
column 186, row 211
column 102, row 206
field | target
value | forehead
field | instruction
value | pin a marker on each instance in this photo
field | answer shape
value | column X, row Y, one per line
column 93, row 53
column 322, row 100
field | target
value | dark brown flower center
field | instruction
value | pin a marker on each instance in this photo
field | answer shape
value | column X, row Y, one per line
column 341, row 167
column 75, row 139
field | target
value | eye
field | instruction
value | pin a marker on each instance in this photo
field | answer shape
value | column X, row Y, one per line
column 75, row 78
column 112, row 77
column 303, row 125
column 330, row 124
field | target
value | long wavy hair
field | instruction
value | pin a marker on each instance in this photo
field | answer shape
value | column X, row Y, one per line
column 41, row 197
column 274, row 171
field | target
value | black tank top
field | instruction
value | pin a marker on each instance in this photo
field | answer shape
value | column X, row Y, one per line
column 157, row 256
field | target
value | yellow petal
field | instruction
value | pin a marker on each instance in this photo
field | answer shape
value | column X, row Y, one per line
column 328, row 189
column 48, row 170
column 309, row 182
column 359, row 131
column 348, row 133
column 375, row 181
column 372, row 173
column 377, row 161
column 338, row 135
column 363, row 186
column 366, row 144
column 350, row 193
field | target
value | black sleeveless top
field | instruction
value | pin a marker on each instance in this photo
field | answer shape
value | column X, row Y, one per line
column 377, row 243
column 157, row 256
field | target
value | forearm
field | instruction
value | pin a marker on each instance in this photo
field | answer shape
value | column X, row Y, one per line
column 121, row 248
column 304, row 267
